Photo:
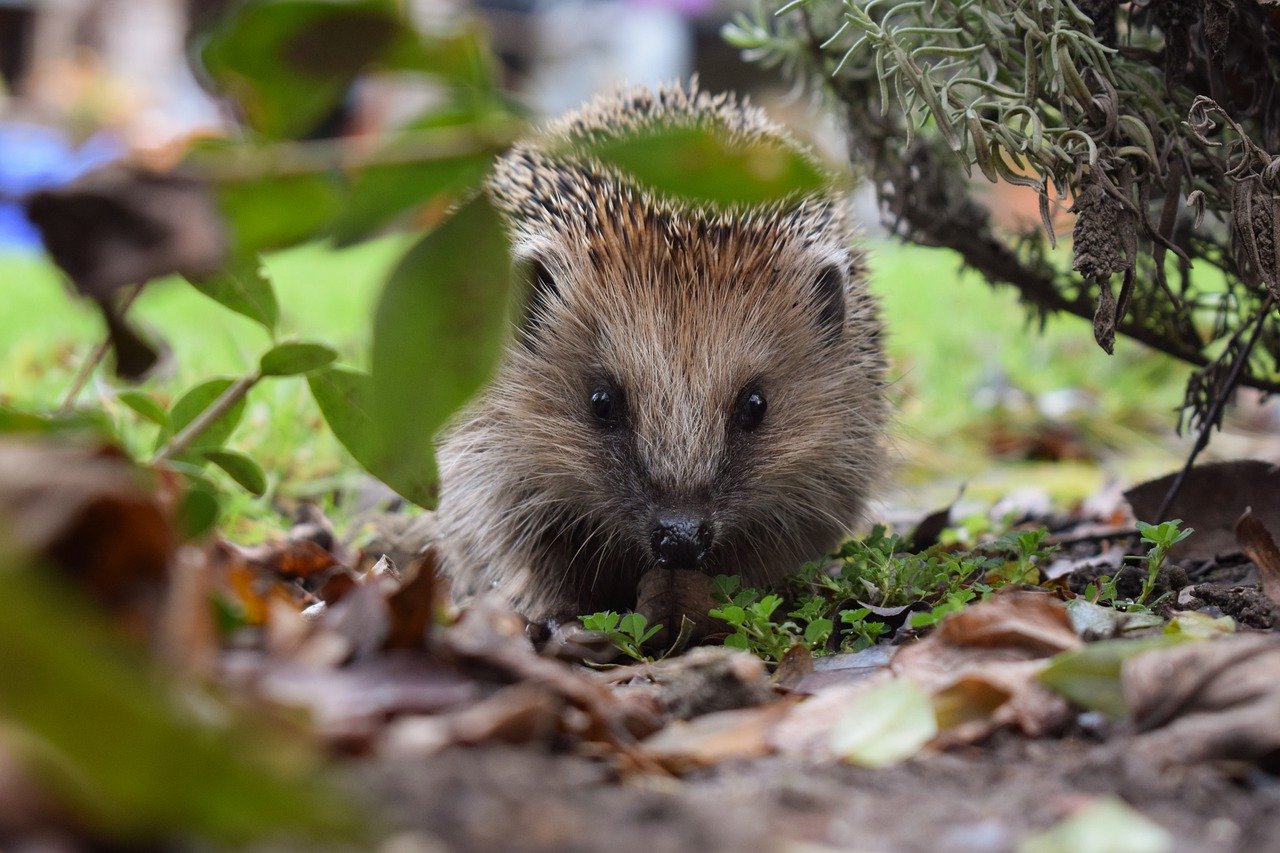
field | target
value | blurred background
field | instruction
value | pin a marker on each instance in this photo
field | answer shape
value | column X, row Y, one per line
column 985, row 399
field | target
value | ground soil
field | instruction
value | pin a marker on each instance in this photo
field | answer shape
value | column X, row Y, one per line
column 986, row 798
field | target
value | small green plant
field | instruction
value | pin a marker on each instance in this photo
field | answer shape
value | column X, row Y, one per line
column 1028, row 552
column 845, row 594
column 750, row 616
column 1102, row 591
column 628, row 633
column 1161, row 537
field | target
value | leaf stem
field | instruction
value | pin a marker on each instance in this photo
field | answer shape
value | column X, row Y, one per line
column 219, row 407
column 95, row 357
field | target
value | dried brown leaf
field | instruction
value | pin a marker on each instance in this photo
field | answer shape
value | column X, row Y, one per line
column 713, row 738
column 1217, row 699
column 89, row 512
column 125, row 225
column 1210, row 501
column 1258, row 545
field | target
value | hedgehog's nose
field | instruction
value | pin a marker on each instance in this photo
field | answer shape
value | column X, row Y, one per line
column 680, row 541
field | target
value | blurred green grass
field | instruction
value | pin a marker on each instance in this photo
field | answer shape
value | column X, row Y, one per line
column 955, row 342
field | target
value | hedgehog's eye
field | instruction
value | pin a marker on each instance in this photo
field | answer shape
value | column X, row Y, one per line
column 608, row 405
column 749, row 409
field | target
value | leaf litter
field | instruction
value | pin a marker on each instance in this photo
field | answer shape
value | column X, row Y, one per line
column 364, row 668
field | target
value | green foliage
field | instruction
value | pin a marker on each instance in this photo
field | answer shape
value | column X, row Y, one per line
column 1111, row 105
column 241, row 468
column 451, row 291
column 857, row 589
column 701, row 165
column 245, row 290
column 288, row 63
column 191, row 404
column 296, row 358
column 628, row 633
column 749, row 615
column 1161, row 537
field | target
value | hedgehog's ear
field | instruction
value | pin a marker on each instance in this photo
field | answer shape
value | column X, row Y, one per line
column 538, row 288
column 828, row 301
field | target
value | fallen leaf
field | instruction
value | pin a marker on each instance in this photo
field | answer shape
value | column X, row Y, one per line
column 1199, row 701
column 521, row 713
column 926, row 533
column 1256, row 542
column 124, row 225
column 713, row 738
column 848, row 668
column 981, row 663
column 1090, row 676
column 792, row 669
column 1200, row 626
column 1211, row 499
column 289, row 558
column 1098, row 622
column 1033, row 622
column 710, row 679
column 350, row 705
column 91, row 513
column 413, row 606
column 494, row 638
column 1105, row 825
column 885, row 725
column 996, row 695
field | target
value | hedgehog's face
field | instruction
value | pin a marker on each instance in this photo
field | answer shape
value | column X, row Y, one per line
column 686, row 385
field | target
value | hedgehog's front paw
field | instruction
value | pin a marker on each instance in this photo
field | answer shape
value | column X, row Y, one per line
column 679, row 601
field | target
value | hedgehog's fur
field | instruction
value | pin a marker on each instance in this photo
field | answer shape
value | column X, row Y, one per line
column 681, row 306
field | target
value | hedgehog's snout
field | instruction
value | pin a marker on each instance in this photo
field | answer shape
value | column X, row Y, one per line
column 680, row 540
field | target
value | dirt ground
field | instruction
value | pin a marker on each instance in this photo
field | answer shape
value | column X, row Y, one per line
column 981, row 798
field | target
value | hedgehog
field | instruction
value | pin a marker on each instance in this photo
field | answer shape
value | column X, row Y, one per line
column 689, row 387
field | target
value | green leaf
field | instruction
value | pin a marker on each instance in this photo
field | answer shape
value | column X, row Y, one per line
column 438, row 332
column 277, row 212
column 295, row 358
column 1090, row 676
column 240, row 468
column 345, row 399
column 738, row 641
column 703, row 164
column 145, row 405
column 381, row 194
column 731, row 613
column 289, row 63
column 605, row 621
column 245, row 290
column 817, row 631
column 114, row 748
column 195, row 401
column 93, row 422
column 199, row 508
column 885, row 725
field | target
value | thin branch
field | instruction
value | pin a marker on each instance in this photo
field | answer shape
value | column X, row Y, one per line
column 219, row 407
column 290, row 159
column 1214, row 414
column 95, row 357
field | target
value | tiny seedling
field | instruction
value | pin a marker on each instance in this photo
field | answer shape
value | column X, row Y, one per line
column 628, row 633
column 1161, row 537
